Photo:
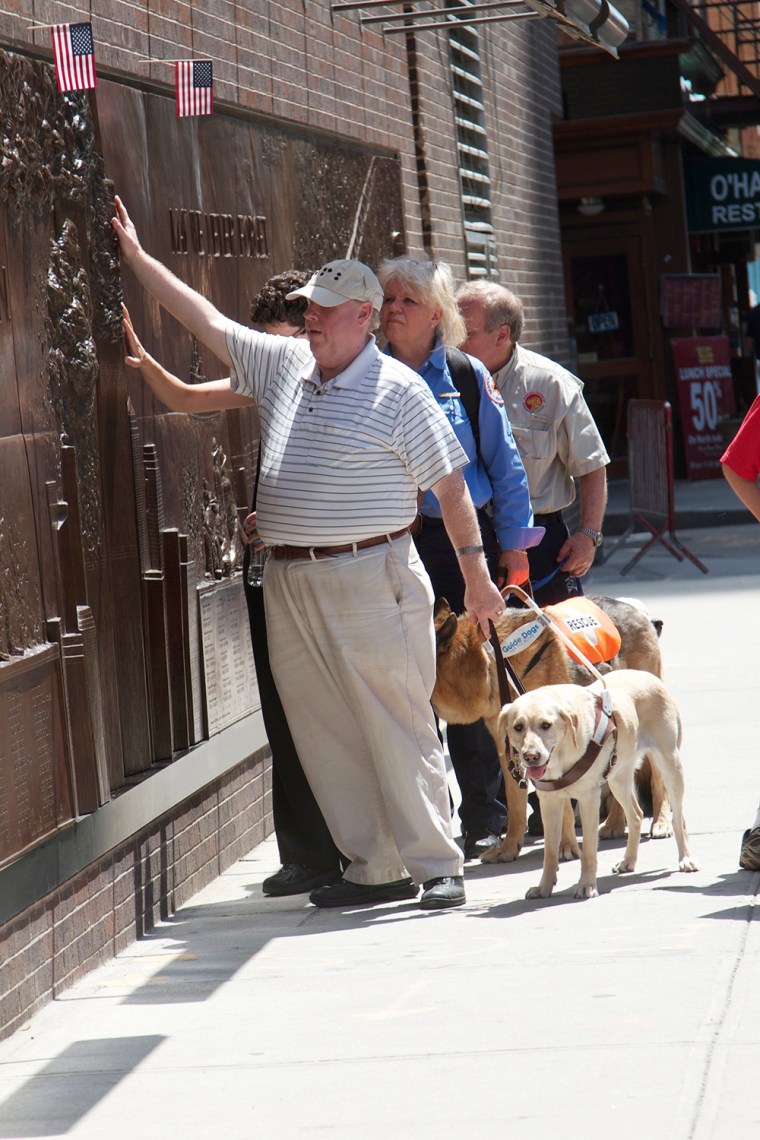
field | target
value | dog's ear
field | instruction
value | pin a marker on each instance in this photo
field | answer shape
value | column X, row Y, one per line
column 571, row 719
column 444, row 633
column 441, row 609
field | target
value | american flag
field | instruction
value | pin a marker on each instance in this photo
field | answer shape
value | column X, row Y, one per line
column 74, row 56
column 195, row 92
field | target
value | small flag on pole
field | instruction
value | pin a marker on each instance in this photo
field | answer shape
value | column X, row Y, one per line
column 195, row 93
column 74, row 56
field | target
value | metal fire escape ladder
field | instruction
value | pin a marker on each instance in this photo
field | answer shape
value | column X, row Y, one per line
column 734, row 39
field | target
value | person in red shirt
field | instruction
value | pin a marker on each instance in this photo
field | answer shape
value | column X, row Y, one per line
column 741, row 467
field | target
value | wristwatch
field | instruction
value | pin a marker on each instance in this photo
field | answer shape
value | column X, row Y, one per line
column 597, row 535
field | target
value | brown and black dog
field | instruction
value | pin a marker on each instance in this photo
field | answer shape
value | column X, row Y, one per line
column 467, row 689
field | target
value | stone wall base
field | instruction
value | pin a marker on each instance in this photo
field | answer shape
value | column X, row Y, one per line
column 113, row 901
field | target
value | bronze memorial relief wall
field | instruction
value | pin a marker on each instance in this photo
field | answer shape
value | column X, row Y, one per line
column 123, row 630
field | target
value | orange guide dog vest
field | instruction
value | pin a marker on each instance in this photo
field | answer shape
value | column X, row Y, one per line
column 591, row 630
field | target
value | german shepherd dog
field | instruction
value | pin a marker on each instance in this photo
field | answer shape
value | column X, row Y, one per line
column 467, row 689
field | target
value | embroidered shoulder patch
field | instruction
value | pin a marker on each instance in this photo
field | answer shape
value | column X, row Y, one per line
column 534, row 402
column 491, row 390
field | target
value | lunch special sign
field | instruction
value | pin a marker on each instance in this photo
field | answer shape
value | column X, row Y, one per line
column 705, row 396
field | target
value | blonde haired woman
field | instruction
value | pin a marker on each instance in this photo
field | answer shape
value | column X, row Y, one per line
column 423, row 326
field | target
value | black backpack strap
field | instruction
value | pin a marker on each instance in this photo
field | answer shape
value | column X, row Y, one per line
column 463, row 375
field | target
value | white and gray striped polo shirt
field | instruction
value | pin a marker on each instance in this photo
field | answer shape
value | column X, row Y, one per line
column 343, row 462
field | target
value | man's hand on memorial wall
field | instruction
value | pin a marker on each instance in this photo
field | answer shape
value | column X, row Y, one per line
column 129, row 242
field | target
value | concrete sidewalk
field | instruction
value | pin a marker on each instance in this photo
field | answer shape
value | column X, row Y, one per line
column 636, row 1014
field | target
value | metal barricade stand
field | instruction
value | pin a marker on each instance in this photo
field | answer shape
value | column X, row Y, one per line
column 651, row 483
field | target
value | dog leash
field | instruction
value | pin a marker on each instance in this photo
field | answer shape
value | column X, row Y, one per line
column 545, row 581
column 503, row 667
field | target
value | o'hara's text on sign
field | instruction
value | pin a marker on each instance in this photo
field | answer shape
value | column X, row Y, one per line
column 218, row 235
column 735, row 197
column 723, row 194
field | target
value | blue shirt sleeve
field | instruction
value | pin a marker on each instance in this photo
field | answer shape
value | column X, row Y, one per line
column 495, row 474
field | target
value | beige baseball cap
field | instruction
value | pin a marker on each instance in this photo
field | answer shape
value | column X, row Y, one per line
column 340, row 281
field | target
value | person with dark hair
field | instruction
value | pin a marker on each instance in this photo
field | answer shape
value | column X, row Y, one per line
column 272, row 312
column 308, row 854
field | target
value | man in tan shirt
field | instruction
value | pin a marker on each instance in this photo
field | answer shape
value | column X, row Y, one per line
column 555, row 434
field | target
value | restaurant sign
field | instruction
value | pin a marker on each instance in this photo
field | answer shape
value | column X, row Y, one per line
column 722, row 194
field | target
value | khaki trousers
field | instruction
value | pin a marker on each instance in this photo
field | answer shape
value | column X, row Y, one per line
column 352, row 649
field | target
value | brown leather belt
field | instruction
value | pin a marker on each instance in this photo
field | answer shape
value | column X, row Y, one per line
column 287, row 552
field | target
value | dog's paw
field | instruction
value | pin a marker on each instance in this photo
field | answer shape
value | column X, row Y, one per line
column 661, row 829
column 586, row 891
column 688, row 863
column 537, row 893
column 607, row 831
column 569, row 850
column 506, row 853
column 624, row 866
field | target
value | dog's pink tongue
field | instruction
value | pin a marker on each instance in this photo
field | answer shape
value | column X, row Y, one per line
column 537, row 772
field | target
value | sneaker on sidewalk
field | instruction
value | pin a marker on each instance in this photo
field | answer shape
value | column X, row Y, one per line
column 345, row 893
column 296, row 879
column 749, row 857
column 437, row 894
column 476, row 843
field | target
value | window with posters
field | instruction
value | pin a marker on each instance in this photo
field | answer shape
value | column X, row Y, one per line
column 705, row 397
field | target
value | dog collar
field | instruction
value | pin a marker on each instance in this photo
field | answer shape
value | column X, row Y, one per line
column 604, row 727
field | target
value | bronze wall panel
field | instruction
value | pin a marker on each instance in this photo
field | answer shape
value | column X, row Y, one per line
column 99, row 485
column 22, row 618
column 10, row 413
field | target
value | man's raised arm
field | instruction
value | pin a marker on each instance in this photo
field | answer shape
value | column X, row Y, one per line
column 191, row 309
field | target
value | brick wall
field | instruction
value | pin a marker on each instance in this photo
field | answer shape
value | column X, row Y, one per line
column 298, row 61
column 96, row 914
column 522, row 78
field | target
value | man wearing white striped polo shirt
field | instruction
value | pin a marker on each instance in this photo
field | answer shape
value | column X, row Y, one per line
column 348, row 437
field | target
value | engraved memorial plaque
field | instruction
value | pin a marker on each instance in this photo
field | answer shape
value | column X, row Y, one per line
column 35, row 794
column 231, row 689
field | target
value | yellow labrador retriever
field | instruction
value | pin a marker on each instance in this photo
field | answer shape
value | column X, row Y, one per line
column 570, row 739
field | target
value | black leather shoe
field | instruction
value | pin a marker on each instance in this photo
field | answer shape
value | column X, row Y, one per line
column 476, row 843
column 437, row 894
column 296, row 879
column 345, row 893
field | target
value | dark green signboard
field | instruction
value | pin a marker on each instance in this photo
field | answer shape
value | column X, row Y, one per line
column 722, row 194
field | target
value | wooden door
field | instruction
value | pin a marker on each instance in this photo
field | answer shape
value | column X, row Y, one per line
column 605, row 290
